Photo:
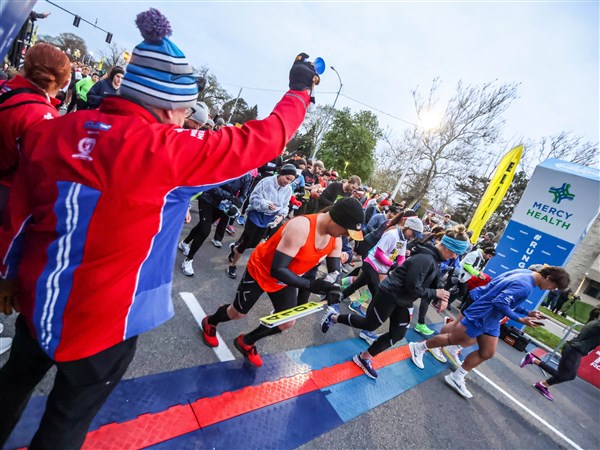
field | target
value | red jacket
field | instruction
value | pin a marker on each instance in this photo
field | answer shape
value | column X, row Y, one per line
column 18, row 114
column 97, row 206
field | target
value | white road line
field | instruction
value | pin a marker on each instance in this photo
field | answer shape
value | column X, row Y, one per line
column 527, row 410
column 190, row 300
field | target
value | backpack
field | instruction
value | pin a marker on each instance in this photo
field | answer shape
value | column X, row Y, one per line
column 7, row 95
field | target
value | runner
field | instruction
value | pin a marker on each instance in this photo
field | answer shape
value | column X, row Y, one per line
column 572, row 352
column 277, row 267
column 96, row 208
column 481, row 321
column 268, row 207
column 417, row 278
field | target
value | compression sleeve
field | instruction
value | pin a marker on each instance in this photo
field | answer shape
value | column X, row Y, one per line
column 280, row 270
column 382, row 257
column 469, row 268
column 334, row 264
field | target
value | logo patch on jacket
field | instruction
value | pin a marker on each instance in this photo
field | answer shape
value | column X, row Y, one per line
column 85, row 147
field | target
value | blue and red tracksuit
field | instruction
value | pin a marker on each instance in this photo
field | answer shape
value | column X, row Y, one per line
column 97, row 206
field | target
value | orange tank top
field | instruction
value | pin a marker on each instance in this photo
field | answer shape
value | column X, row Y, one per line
column 261, row 259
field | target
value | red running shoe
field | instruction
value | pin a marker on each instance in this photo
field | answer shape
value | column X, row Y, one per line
column 249, row 351
column 209, row 333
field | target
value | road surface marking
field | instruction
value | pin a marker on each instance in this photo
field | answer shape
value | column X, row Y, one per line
column 527, row 410
column 223, row 353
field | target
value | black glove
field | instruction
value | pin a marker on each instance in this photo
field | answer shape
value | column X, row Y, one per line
column 302, row 74
column 334, row 296
column 237, row 202
column 320, row 286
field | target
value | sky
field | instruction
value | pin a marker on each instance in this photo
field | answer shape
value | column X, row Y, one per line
column 382, row 51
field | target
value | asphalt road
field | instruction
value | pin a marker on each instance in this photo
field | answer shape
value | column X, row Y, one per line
column 428, row 416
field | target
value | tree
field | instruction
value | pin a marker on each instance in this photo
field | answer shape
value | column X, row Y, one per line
column 112, row 56
column 564, row 146
column 502, row 215
column 69, row 43
column 469, row 192
column 213, row 94
column 312, row 130
column 470, row 123
column 242, row 112
column 350, row 143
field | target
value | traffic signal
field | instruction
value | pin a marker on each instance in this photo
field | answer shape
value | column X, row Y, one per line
column 108, row 38
column 76, row 21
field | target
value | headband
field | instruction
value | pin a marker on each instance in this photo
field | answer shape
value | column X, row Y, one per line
column 454, row 245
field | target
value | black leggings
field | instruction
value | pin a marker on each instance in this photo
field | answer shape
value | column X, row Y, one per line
column 207, row 214
column 251, row 237
column 380, row 309
column 80, row 389
column 368, row 276
column 567, row 367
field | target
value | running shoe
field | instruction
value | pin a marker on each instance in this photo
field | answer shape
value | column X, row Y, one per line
column 186, row 267
column 526, row 360
column 216, row 243
column 230, row 230
column 209, row 333
column 241, row 220
column 326, row 321
column 423, row 329
column 368, row 336
column 415, row 355
column 185, row 248
column 543, row 390
column 230, row 256
column 248, row 351
column 452, row 353
column 346, row 281
column 231, row 271
column 437, row 354
column 355, row 307
column 366, row 365
column 458, row 386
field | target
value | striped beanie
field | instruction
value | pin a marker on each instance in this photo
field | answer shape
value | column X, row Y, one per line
column 158, row 73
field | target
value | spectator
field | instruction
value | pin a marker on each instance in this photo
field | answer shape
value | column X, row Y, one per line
column 107, row 86
column 129, row 172
column 27, row 100
column 446, row 223
column 562, row 299
column 197, row 117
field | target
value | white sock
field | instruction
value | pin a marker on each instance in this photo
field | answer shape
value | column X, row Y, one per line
column 459, row 374
column 454, row 348
column 422, row 346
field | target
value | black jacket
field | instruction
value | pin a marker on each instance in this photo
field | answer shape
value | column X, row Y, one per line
column 236, row 190
column 417, row 277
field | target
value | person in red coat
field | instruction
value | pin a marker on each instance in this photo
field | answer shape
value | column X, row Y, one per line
column 27, row 100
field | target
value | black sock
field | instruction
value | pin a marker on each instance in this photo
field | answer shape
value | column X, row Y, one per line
column 219, row 316
column 259, row 333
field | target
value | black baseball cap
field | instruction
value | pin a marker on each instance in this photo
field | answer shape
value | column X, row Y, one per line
column 348, row 213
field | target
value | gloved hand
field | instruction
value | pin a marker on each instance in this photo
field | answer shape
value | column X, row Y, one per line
column 334, row 296
column 237, row 202
column 321, row 286
column 302, row 74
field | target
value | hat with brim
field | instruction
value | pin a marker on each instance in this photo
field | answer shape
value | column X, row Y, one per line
column 348, row 213
column 415, row 224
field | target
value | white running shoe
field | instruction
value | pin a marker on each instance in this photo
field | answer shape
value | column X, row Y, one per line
column 452, row 353
column 185, row 248
column 437, row 354
column 216, row 243
column 458, row 386
column 186, row 267
column 5, row 343
column 415, row 355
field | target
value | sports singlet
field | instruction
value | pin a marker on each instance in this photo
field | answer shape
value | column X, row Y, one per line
column 261, row 260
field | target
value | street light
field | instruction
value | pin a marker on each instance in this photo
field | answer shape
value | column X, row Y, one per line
column 428, row 121
column 330, row 113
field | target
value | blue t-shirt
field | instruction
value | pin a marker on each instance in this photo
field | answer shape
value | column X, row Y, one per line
column 500, row 297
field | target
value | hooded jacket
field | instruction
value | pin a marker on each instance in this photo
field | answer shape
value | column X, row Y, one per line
column 417, row 277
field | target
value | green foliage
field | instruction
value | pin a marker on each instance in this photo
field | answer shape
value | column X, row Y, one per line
column 352, row 140
column 214, row 95
column 580, row 311
column 544, row 336
column 469, row 191
column 242, row 112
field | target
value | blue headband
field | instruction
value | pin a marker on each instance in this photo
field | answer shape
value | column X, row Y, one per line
column 454, row 245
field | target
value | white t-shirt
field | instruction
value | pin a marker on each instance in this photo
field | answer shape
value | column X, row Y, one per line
column 393, row 244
